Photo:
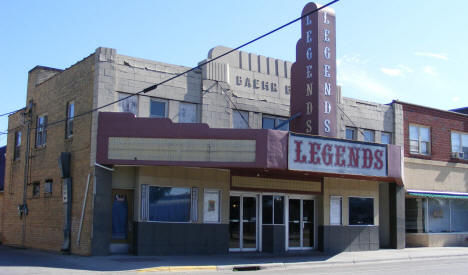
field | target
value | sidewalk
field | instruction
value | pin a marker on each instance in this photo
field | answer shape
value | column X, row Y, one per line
column 11, row 257
column 268, row 261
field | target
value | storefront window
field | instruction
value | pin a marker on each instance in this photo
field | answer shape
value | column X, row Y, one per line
column 361, row 211
column 436, row 215
column 459, row 212
column 169, row 204
column 273, row 209
column 439, row 215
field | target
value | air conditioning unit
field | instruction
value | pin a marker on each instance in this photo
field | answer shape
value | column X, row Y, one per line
column 459, row 155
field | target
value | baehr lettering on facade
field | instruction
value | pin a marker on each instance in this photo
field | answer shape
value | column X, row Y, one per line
column 260, row 84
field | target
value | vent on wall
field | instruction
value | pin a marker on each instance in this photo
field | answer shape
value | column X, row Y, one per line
column 48, row 186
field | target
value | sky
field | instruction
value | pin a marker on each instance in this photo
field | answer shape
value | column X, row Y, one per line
column 413, row 51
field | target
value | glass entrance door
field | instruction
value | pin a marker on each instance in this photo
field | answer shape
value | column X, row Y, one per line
column 243, row 225
column 300, row 223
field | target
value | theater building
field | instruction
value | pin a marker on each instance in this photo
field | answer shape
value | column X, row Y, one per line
column 436, row 176
column 248, row 153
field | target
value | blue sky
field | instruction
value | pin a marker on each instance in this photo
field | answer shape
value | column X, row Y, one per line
column 414, row 51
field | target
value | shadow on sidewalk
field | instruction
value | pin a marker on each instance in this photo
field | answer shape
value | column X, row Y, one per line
column 11, row 257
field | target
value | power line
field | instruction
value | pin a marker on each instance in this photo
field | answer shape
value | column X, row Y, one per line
column 153, row 87
column 233, row 104
column 9, row 113
column 354, row 124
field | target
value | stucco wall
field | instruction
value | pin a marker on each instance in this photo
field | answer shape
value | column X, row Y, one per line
column 270, row 184
column 431, row 175
column 124, row 177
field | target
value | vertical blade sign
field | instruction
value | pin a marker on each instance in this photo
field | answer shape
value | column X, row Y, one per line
column 313, row 75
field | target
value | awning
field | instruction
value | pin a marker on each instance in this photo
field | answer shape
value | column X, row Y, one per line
column 434, row 194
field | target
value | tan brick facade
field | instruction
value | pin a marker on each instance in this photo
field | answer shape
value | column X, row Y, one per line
column 50, row 90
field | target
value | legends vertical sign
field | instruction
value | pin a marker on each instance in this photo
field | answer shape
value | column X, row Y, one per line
column 313, row 75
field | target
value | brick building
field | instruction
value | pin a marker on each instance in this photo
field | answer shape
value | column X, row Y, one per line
column 120, row 161
column 436, row 176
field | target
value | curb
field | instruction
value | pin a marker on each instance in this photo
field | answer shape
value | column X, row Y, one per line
column 283, row 266
column 178, row 268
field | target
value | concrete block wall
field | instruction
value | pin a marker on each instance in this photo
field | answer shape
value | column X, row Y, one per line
column 252, row 83
column 42, row 227
column 365, row 115
column 221, row 87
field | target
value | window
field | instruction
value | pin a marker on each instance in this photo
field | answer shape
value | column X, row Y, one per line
column 271, row 122
column 415, row 220
column 41, row 131
column 350, row 133
column 187, row 112
column 386, row 138
column 211, row 210
column 460, row 145
column 369, row 135
column 16, row 153
column 128, row 105
column 240, row 119
column 273, row 209
column 169, row 204
column 361, row 211
column 48, row 186
column 335, row 210
column 70, row 115
column 36, row 188
column 419, row 140
column 439, row 215
column 459, row 212
column 436, row 215
column 158, row 108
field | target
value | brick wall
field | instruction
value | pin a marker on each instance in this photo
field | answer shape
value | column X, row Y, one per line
column 2, row 181
column 441, row 124
column 51, row 90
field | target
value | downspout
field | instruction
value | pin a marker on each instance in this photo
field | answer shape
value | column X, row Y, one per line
column 23, row 208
